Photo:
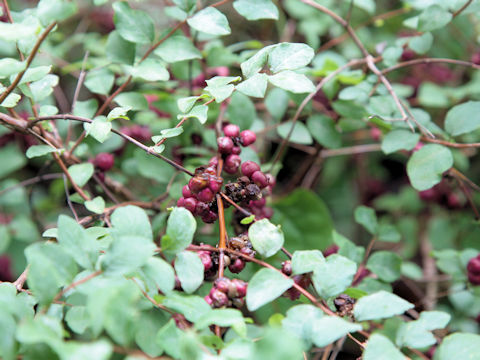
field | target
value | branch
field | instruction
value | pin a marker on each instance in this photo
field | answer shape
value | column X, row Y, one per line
column 430, row 61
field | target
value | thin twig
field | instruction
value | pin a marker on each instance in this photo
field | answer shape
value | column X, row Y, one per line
column 67, row 195
column 459, row 11
column 430, row 61
column 75, row 284
column 32, row 181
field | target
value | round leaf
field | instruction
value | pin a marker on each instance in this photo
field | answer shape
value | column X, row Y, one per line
column 266, row 238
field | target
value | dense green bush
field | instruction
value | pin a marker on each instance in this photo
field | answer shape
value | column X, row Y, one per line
column 241, row 179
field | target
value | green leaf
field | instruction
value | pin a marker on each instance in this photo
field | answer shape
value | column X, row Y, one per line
column 41, row 329
column 120, row 50
column 210, row 21
column 399, row 140
column 150, row 70
column 380, row 305
column 255, row 86
column 322, row 128
column 81, row 173
column 265, row 286
column 189, row 270
column 198, row 112
column 411, row 270
column 306, row 261
column 50, row 268
column 177, row 48
column 366, row 217
column 40, row 89
column 266, row 238
column 17, row 31
column 380, row 347
column 134, row 100
column 86, row 108
column 33, row 74
column 12, row 160
column 300, row 320
column 181, row 226
column 48, row 110
column 421, row 44
column 241, row 111
column 40, row 150
column 99, row 129
column 305, row 220
column 290, row 56
column 99, row 81
column 300, row 133
column 220, row 88
column 133, row 25
column 160, row 273
column 168, row 338
column 331, row 328
column 416, row 334
column 386, row 264
column 347, row 248
column 186, row 104
column 334, row 275
column 462, row 119
column 388, row 233
column 96, row 205
column 222, row 317
column 168, row 133
column 256, row 63
column 256, row 9
column 11, row 100
column 118, row 113
column 191, row 306
column 434, row 17
column 49, row 11
column 426, row 166
column 75, row 241
column 458, row 346
column 9, row 66
column 292, row 81
column 132, row 244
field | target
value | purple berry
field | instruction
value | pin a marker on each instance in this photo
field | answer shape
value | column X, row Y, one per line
column 186, row 192
column 190, row 204
column 215, row 184
column 222, row 284
column 231, row 130
column 260, row 179
column 209, row 217
column 249, row 167
column 473, row 265
column 333, row 249
column 271, row 180
column 237, row 289
column 287, row 267
column 257, row 203
column 237, row 266
column 474, row 278
column 219, row 298
column 236, row 150
column 247, row 137
column 197, row 184
column 104, row 161
column 206, row 259
column 476, row 58
column 232, row 163
column 181, row 202
column 213, row 161
column 208, row 299
column 206, row 195
column 225, row 145
column 267, row 212
column 201, row 208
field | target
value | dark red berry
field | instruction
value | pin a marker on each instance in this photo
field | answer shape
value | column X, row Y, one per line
column 186, row 192
column 232, row 163
column 362, row 273
column 259, row 179
column 287, row 267
column 225, row 145
column 190, row 204
column 206, row 195
column 247, row 137
column 5, row 268
column 257, row 203
column 271, row 180
column 206, row 259
column 474, row 278
column 237, row 289
column 201, row 208
column 267, row 212
column 198, row 183
column 222, row 284
column 237, row 266
column 104, row 161
column 219, row 298
column 476, row 58
column 213, row 161
column 473, row 265
column 215, row 184
column 181, row 202
column 238, row 302
column 236, row 150
column 408, row 54
column 208, row 299
column 231, row 130
column 209, row 217
column 249, row 167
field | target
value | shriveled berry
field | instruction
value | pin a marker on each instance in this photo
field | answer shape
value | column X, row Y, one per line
column 237, row 289
column 201, row 208
column 260, row 179
column 249, row 167
column 215, row 184
column 104, row 161
column 225, row 145
column 222, row 284
column 238, row 302
column 473, row 265
column 231, row 130
column 247, row 137
column 190, row 204
column 287, row 267
column 186, row 192
column 206, row 259
column 237, row 266
column 198, row 183
column 206, row 195
column 219, row 298
column 209, row 217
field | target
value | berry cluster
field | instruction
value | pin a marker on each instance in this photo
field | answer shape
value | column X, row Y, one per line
column 242, row 244
column 229, row 146
column 199, row 195
column 303, row 280
column 473, row 268
column 226, row 292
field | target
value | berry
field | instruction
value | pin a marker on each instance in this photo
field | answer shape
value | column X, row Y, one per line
column 186, row 192
column 474, row 278
column 267, row 212
column 201, row 208
column 257, row 203
column 208, row 299
column 213, row 161
column 225, row 145
column 198, row 183
column 232, row 163
column 238, row 302
column 218, row 297
column 287, row 267
column 190, row 204
column 247, row 137
column 181, row 202
column 206, row 195
column 473, row 265
column 271, row 180
column 249, row 167
column 237, row 289
column 237, row 266
column 236, row 150
column 206, row 259
column 215, row 184
column 259, row 179
column 408, row 54
column 476, row 58
column 231, row 130
column 222, row 284
column 209, row 217
column 104, row 161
